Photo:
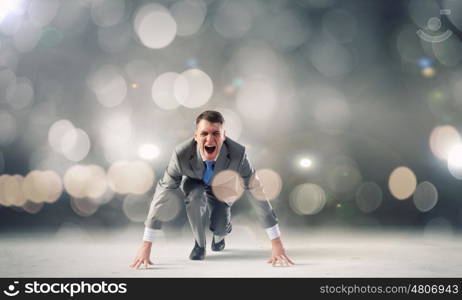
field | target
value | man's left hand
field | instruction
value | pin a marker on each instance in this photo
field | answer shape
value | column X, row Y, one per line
column 278, row 255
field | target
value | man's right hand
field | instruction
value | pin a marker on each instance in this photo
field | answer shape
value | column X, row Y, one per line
column 143, row 256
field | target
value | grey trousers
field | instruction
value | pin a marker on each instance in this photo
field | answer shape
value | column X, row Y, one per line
column 202, row 207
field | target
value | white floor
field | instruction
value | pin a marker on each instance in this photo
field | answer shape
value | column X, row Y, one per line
column 318, row 253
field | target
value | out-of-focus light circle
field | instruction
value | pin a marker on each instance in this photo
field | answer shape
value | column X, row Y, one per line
column 75, row 180
column 56, row 133
column 10, row 7
column 425, row 196
column 228, row 186
column 85, row 181
column 402, row 183
column 83, row 207
column 369, row 196
column 108, row 85
column 307, row 199
column 455, row 161
column 163, row 91
column 42, row 12
column 233, row 123
column 189, row 15
column 96, row 183
column 107, row 12
column 148, row 151
column 428, row 72
column 32, row 207
column 75, row 144
column 265, row 184
column 305, row 163
column 340, row 25
column 7, row 129
column 36, row 187
column 257, row 100
column 21, row 95
column 56, row 186
column 155, row 26
column 331, row 59
column 193, row 88
column 26, row 38
column 2, row 194
column 12, row 190
column 449, row 52
column 232, row 19
column 135, row 177
column 343, row 175
column 136, row 207
column 442, row 139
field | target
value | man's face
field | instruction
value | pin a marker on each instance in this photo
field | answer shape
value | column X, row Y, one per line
column 209, row 137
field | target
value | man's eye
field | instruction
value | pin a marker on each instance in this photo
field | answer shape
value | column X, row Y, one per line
column 203, row 134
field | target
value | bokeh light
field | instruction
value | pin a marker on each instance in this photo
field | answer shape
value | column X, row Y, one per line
column 305, row 163
column 402, row 183
column 85, row 181
column 193, row 88
column 455, row 161
column 130, row 177
column 307, row 199
column 163, row 91
column 369, row 197
column 42, row 186
column 155, row 26
column 442, row 139
column 227, row 186
column 425, row 196
column 148, row 151
column 265, row 184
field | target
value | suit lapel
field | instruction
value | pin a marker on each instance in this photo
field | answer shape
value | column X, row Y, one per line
column 222, row 161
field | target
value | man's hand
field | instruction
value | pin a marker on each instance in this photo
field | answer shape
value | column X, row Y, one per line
column 143, row 256
column 278, row 255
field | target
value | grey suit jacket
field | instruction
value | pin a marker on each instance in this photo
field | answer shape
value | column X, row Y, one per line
column 186, row 161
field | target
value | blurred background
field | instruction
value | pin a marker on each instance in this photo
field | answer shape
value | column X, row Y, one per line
column 350, row 110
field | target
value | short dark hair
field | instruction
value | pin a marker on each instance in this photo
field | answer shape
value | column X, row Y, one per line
column 212, row 116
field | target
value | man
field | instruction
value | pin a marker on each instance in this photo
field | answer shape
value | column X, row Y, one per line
column 193, row 165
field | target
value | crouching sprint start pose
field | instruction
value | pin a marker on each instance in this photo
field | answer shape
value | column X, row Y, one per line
column 193, row 165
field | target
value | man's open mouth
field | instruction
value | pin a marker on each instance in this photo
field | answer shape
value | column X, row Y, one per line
column 210, row 149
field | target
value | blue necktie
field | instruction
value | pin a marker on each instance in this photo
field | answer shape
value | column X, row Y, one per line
column 208, row 173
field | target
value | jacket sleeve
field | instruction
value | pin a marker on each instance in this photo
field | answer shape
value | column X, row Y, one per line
column 169, row 182
column 266, row 216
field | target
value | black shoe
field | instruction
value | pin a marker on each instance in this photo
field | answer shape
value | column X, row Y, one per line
column 197, row 253
column 218, row 246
